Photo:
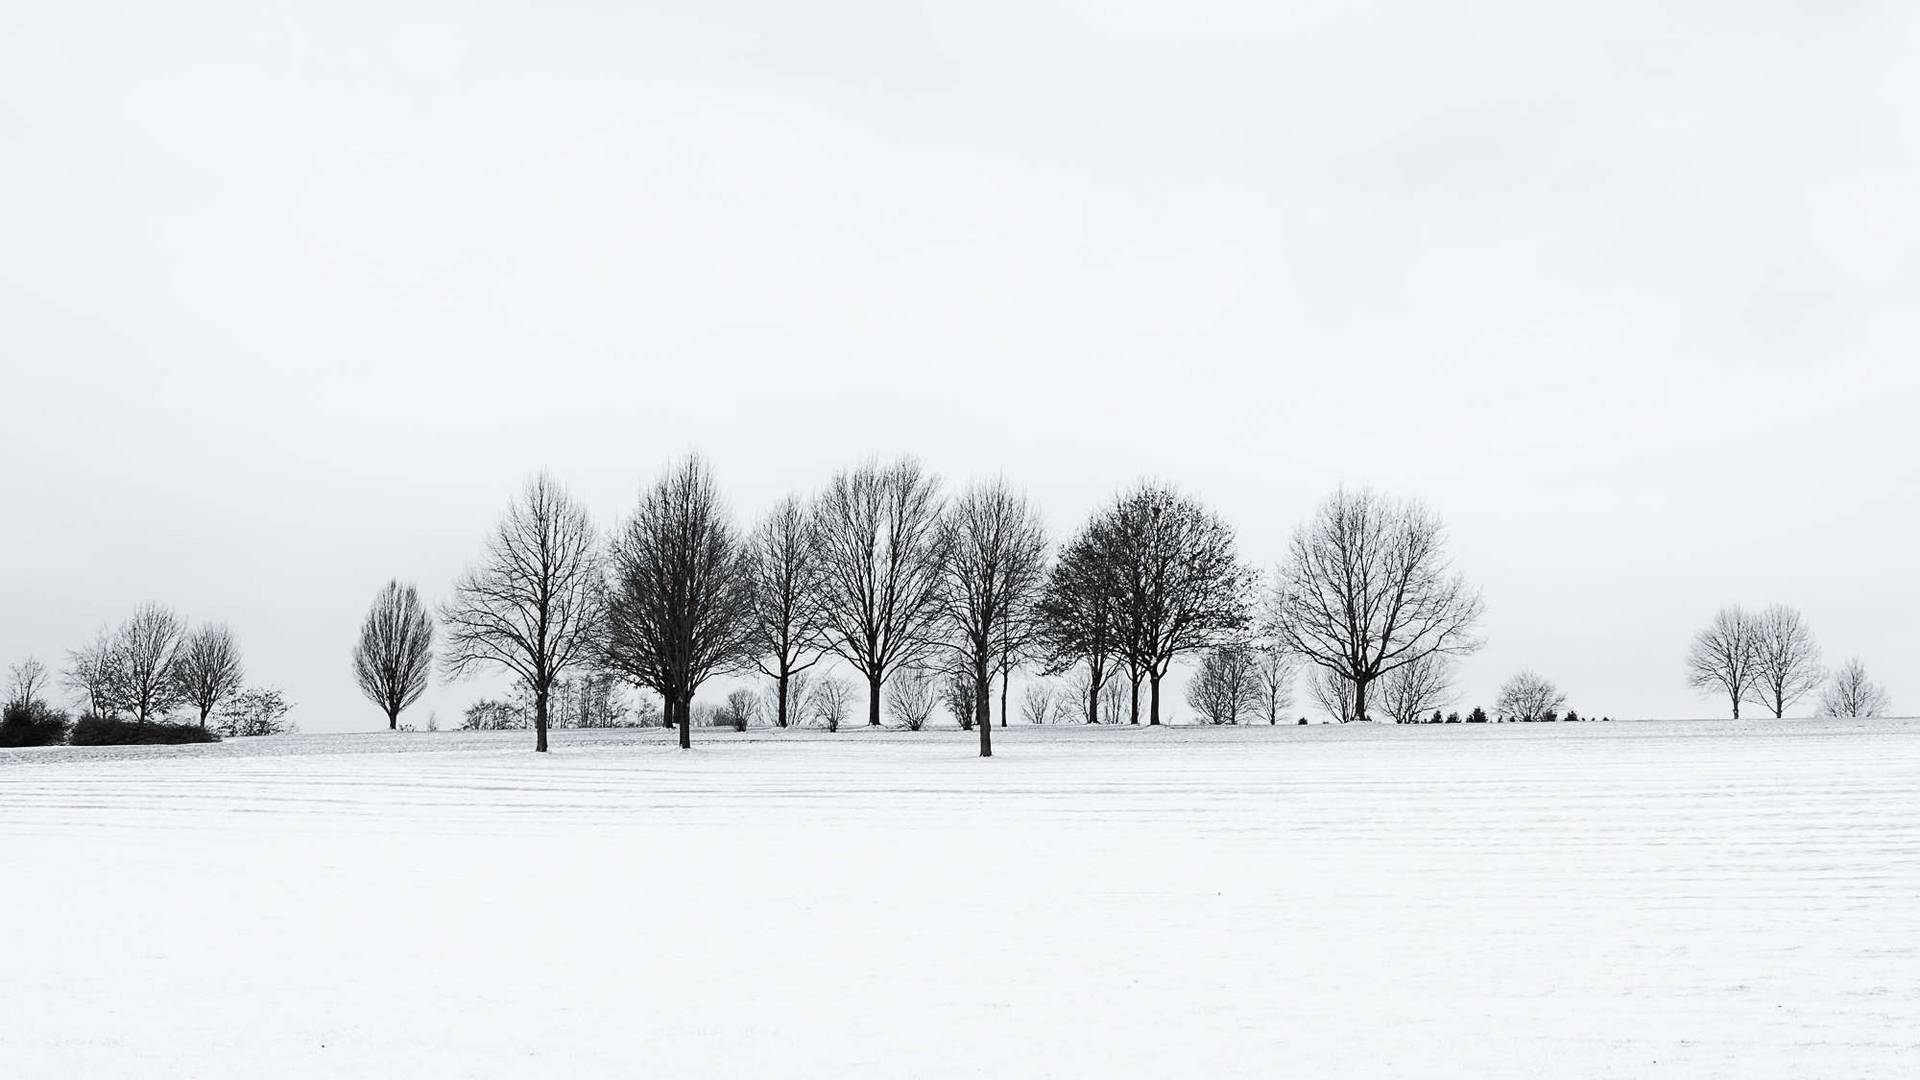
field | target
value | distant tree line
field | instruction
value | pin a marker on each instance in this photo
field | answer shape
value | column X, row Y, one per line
column 153, row 678
column 1770, row 658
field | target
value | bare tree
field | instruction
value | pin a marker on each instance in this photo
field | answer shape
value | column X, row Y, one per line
column 912, row 694
column 787, row 635
column 995, row 560
column 1037, row 702
column 1274, row 675
column 1851, row 693
column 1411, row 691
column 93, row 676
column 207, row 670
column 25, row 682
column 1078, row 617
column 1786, row 660
column 1182, row 586
column 742, row 709
column 145, row 649
column 1725, row 656
column 1226, row 688
column 1527, row 698
column 683, row 593
column 536, row 604
column 255, row 711
column 957, row 697
column 879, row 536
column 393, row 659
column 1333, row 693
column 829, row 702
column 1367, row 588
column 1091, row 701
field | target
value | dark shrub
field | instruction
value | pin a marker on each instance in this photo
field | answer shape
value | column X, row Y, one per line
column 1477, row 716
column 96, row 731
column 32, row 725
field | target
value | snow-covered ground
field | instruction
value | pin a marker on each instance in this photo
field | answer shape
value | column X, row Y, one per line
column 1627, row 899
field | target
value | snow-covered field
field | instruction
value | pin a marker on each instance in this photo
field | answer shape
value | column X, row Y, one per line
column 1627, row 899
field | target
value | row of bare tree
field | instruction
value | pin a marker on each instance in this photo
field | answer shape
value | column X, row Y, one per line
column 153, row 666
column 1771, row 658
column 934, row 597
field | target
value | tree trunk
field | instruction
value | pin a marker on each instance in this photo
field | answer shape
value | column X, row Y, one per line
column 203, row 716
column 1359, row 699
column 540, row 720
column 393, row 720
column 1133, row 705
column 780, row 706
column 983, row 707
column 873, row 700
column 686, row 722
column 1093, row 700
column 1006, row 677
column 1153, row 698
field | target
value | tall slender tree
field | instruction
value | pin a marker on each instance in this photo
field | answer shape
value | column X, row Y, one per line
column 207, row 672
column 535, row 605
column 682, row 601
column 1367, row 588
column 393, row 659
column 879, row 541
column 994, row 564
column 787, row 632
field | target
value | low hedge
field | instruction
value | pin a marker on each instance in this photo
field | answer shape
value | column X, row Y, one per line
column 23, row 725
column 95, row 731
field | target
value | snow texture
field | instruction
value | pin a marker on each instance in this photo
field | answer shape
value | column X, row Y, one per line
column 1595, row 900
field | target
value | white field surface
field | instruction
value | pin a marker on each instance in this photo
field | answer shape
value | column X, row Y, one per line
column 1623, row 900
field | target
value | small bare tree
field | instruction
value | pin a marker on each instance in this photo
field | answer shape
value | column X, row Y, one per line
column 25, row 682
column 1725, row 656
column 1332, row 692
column 535, row 605
column 995, row 552
column 879, row 540
column 956, row 696
column 1786, row 660
column 255, row 711
column 1367, row 588
column 145, row 650
column 1850, row 693
column 1527, row 698
column 393, row 659
column 829, row 702
column 787, row 635
column 1409, row 692
column 1041, row 703
column 207, row 671
column 742, row 709
column 1274, row 674
column 93, row 677
column 912, row 694
column 683, row 596
column 1226, row 687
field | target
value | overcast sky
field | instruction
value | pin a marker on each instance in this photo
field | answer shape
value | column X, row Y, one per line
column 294, row 296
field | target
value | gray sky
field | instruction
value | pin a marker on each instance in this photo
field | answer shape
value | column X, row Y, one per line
column 294, row 296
